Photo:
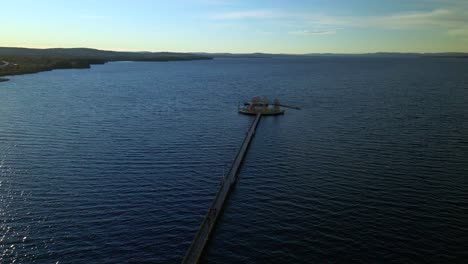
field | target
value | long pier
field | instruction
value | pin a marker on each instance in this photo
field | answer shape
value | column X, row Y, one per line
column 201, row 238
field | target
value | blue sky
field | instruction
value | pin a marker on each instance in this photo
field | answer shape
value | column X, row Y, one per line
column 338, row 26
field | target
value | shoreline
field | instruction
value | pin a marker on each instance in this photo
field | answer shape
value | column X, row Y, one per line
column 19, row 61
column 37, row 67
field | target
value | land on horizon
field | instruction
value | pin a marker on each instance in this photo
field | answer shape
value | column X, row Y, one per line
column 15, row 61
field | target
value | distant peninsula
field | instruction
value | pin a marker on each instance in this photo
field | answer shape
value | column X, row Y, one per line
column 15, row 61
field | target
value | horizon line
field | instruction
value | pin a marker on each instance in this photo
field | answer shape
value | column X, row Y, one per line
column 240, row 53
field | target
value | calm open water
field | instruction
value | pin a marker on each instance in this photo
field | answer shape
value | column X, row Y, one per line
column 119, row 163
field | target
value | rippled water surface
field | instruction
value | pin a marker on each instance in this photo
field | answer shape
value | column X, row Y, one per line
column 119, row 163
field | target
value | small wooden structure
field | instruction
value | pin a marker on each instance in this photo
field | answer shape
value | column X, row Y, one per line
column 260, row 105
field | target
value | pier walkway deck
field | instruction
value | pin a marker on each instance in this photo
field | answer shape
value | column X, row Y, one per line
column 199, row 241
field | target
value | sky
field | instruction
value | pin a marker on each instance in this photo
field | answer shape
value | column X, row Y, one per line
column 238, row 26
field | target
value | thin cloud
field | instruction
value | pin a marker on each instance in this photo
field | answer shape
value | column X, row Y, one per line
column 306, row 32
column 459, row 32
column 454, row 21
column 434, row 18
column 256, row 14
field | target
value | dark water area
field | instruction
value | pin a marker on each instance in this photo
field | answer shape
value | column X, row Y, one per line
column 119, row 163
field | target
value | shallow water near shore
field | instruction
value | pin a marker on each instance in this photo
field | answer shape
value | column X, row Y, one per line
column 120, row 162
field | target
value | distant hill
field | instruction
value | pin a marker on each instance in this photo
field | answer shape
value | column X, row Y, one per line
column 85, row 53
column 15, row 61
column 370, row 55
column 394, row 54
column 236, row 55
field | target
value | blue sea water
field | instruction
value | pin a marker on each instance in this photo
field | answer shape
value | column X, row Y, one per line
column 119, row 163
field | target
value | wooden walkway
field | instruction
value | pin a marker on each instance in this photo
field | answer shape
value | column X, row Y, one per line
column 199, row 241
